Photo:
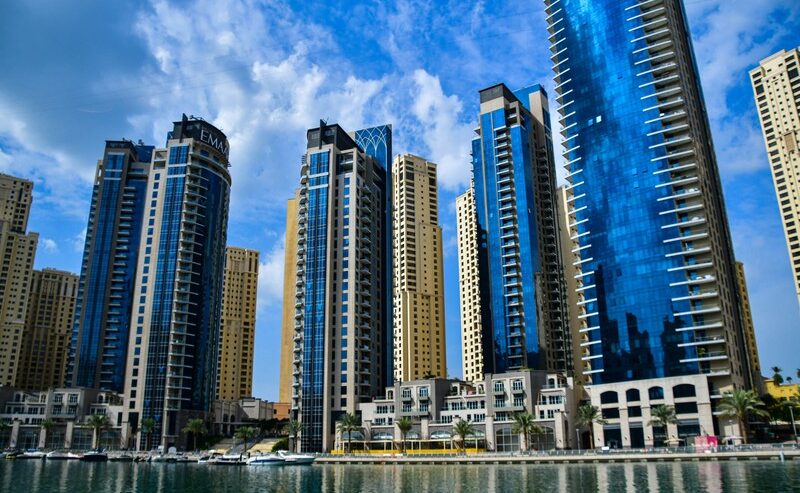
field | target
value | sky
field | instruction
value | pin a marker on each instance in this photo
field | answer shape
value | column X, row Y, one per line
column 77, row 73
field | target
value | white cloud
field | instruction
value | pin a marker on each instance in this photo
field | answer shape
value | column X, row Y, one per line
column 48, row 244
column 447, row 138
column 730, row 38
column 270, row 277
column 78, row 241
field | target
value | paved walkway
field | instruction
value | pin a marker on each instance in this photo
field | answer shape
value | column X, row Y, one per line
column 617, row 457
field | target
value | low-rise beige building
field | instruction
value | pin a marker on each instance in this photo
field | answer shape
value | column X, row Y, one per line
column 435, row 405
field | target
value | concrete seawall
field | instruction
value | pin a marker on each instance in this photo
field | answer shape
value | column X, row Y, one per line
column 774, row 455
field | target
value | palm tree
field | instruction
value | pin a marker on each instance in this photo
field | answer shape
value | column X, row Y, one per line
column 293, row 429
column 789, row 380
column 663, row 416
column 462, row 429
column 740, row 404
column 148, row 425
column 47, row 425
column 348, row 424
column 404, row 425
column 588, row 415
column 525, row 425
column 244, row 433
column 195, row 427
column 776, row 375
column 98, row 423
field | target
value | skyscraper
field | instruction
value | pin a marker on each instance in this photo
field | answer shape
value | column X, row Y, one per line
column 377, row 142
column 472, row 330
column 749, row 331
column 658, row 304
column 339, row 346
column 99, row 343
column 418, row 277
column 776, row 83
column 172, row 357
column 521, row 289
column 289, row 290
column 237, row 324
column 18, row 250
column 45, row 342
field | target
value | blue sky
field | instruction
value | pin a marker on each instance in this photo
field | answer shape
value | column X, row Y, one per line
column 77, row 73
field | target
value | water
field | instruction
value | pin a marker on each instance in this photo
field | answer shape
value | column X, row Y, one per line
column 75, row 477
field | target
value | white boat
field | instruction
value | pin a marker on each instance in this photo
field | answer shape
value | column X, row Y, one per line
column 265, row 460
column 32, row 454
column 227, row 460
column 62, row 455
column 295, row 459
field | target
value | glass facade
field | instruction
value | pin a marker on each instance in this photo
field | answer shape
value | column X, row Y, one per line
column 339, row 298
column 172, row 366
column 513, row 217
column 98, row 347
column 316, row 260
column 635, row 134
column 377, row 142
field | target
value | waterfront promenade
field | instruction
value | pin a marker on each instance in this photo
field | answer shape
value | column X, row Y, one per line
column 744, row 453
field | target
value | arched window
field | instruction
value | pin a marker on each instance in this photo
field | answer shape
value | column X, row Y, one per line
column 632, row 395
column 609, row 397
column 656, row 393
column 683, row 390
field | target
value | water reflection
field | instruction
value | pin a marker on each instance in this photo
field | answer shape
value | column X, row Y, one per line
column 710, row 477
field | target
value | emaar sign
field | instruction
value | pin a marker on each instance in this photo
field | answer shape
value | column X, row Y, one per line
column 216, row 141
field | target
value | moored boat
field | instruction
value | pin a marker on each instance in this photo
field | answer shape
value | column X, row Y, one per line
column 94, row 456
column 265, row 460
column 227, row 460
column 62, row 455
column 290, row 459
column 32, row 454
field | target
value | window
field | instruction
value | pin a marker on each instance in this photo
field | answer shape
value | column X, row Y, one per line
column 683, row 390
column 609, row 397
column 635, row 412
column 632, row 395
column 423, row 391
column 686, row 408
column 612, row 413
column 655, row 393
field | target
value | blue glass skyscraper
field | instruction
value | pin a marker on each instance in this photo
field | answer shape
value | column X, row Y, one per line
column 339, row 305
column 521, row 282
column 652, row 251
column 172, row 356
column 99, row 343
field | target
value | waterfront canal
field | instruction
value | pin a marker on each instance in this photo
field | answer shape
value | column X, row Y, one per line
column 19, row 476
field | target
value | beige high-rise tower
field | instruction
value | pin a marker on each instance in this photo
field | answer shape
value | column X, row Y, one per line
column 749, row 330
column 237, row 324
column 45, row 345
column 418, row 281
column 18, row 249
column 287, row 317
column 469, row 286
column 776, row 83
